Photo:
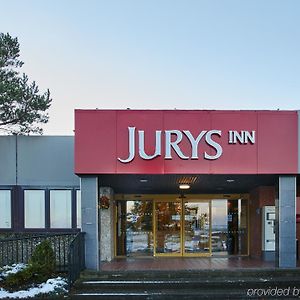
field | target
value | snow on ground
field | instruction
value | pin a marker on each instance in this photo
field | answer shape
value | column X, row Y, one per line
column 15, row 268
column 52, row 285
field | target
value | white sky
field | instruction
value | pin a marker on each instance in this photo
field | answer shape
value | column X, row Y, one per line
column 158, row 54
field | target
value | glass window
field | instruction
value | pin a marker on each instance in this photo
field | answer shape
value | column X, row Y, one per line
column 34, row 208
column 5, row 209
column 78, row 201
column 61, row 209
column 168, row 222
column 134, row 228
column 220, row 241
column 197, row 226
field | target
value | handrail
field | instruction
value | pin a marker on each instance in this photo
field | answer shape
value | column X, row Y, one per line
column 76, row 258
column 69, row 251
column 19, row 249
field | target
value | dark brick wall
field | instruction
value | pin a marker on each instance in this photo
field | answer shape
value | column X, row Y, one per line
column 259, row 197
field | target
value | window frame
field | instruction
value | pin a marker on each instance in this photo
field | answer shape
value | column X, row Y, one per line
column 47, row 189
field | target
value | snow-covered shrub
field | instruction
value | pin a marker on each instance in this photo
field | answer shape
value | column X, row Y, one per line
column 40, row 268
column 43, row 258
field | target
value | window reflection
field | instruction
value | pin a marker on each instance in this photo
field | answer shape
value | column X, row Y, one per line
column 197, row 227
column 219, row 226
column 182, row 227
column 34, row 208
column 5, row 209
column 134, row 228
column 60, row 209
column 229, row 227
column 168, row 217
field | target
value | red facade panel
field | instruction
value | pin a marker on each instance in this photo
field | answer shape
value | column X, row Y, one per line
column 186, row 142
column 277, row 143
column 95, row 142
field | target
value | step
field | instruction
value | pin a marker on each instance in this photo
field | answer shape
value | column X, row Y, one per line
column 190, row 275
column 208, row 284
column 172, row 294
column 290, row 273
column 184, row 283
column 181, row 288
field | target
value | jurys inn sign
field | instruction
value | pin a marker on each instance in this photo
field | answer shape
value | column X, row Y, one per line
column 173, row 138
column 186, row 142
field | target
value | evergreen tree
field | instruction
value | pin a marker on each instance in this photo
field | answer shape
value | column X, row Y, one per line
column 22, row 107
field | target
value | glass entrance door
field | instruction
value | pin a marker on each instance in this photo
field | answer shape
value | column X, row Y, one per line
column 167, row 230
column 197, row 229
column 195, row 225
column 182, row 232
column 134, row 228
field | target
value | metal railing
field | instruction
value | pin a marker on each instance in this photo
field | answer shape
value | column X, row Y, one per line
column 68, row 249
column 76, row 258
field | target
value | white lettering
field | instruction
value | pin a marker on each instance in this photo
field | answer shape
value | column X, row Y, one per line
column 242, row 137
column 213, row 144
column 173, row 144
column 194, row 142
column 249, row 137
column 173, row 138
column 131, row 143
column 142, row 152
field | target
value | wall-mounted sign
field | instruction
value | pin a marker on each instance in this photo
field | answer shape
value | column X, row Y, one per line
column 173, row 138
column 186, row 142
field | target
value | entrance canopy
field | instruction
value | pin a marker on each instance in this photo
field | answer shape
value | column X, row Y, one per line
column 186, row 142
column 160, row 184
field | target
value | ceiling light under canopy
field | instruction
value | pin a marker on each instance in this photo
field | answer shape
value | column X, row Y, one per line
column 184, row 186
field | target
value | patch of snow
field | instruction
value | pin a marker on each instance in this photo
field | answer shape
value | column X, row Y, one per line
column 13, row 269
column 52, row 285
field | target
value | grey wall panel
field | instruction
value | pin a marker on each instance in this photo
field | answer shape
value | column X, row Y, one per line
column 46, row 160
column 285, row 250
column 7, row 160
column 90, row 222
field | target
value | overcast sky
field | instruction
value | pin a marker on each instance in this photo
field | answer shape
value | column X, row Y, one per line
column 158, row 54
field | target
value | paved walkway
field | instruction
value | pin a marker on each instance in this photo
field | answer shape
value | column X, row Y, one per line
column 186, row 263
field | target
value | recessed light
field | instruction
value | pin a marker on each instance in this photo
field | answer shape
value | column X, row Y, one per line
column 230, row 180
column 143, row 180
column 184, row 186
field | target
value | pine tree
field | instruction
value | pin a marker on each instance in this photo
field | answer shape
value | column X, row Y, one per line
column 22, row 107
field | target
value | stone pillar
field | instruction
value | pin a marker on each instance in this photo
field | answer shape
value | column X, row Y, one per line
column 285, row 249
column 106, row 224
column 89, row 211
